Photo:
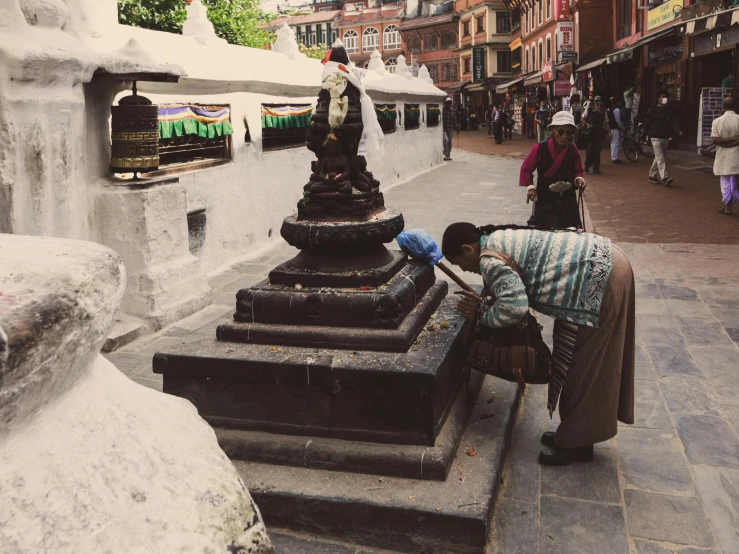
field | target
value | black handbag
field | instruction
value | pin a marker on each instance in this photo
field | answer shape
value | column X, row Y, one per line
column 517, row 354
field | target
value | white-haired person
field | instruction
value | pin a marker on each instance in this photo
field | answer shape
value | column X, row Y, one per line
column 556, row 161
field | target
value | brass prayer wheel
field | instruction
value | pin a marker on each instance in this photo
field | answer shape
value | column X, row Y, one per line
column 135, row 135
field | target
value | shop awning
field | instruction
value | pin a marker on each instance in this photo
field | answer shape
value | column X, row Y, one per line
column 534, row 79
column 505, row 86
column 708, row 22
column 627, row 52
column 591, row 65
column 457, row 86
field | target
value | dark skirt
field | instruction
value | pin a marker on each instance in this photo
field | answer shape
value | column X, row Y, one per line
column 557, row 212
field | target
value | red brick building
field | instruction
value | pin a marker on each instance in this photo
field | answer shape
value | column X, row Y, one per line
column 433, row 42
column 363, row 30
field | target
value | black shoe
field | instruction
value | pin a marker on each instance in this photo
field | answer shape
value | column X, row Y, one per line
column 558, row 456
column 547, row 439
column 616, row 162
column 654, row 180
column 669, row 181
column 596, row 171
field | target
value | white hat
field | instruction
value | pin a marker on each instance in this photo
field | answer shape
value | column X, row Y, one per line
column 562, row 118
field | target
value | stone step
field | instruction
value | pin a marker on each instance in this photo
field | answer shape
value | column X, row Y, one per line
column 408, row 515
column 125, row 330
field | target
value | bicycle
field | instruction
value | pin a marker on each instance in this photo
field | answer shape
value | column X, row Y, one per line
column 635, row 144
column 709, row 151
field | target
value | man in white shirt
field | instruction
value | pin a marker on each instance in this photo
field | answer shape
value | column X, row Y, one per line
column 617, row 126
column 725, row 135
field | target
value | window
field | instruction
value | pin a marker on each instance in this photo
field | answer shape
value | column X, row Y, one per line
column 387, row 116
column 313, row 41
column 467, row 62
column 327, row 9
column 413, row 43
column 284, row 126
column 350, row 42
column 504, row 62
column 480, row 28
column 448, row 40
column 449, row 72
column 370, row 40
column 541, row 54
column 502, row 22
column 430, row 42
column 623, row 18
column 533, row 59
column 541, row 12
column 359, row 6
column 466, row 28
column 433, row 115
column 549, row 9
column 300, row 37
column 638, row 21
column 185, row 139
column 391, row 65
column 549, row 49
column 527, row 62
column 391, row 38
column 411, row 116
column 433, row 72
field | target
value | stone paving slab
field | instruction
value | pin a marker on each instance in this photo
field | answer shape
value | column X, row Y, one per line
column 687, row 367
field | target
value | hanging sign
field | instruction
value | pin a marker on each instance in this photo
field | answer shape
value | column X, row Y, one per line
column 664, row 13
column 562, row 87
column 659, row 55
column 562, row 10
column 565, row 36
column 478, row 65
column 546, row 72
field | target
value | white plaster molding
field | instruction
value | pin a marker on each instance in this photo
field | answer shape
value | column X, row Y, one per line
column 198, row 26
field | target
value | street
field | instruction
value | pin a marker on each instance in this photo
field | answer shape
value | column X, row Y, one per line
column 669, row 483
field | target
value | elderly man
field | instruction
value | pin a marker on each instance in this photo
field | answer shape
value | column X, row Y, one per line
column 597, row 122
column 449, row 122
column 725, row 135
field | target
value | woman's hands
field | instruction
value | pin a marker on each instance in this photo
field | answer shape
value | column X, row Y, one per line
column 531, row 194
column 580, row 183
column 468, row 303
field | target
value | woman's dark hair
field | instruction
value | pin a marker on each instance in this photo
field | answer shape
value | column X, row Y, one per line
column 459, row 234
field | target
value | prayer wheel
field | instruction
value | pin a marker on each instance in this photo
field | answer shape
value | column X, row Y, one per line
column 135, row 135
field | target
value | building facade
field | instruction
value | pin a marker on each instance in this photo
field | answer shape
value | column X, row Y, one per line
column 364, row 29
column 311, row 29
column 433, row 42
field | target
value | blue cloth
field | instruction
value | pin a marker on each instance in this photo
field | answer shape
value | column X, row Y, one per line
column 419, row 245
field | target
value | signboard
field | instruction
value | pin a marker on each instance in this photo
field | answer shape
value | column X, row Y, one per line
column 546, row 72
column 565, row 36
column 567, row 56
column 478, row 65
column 562, row 87
column 561, row 10
column 664, row 13
column 666, row 53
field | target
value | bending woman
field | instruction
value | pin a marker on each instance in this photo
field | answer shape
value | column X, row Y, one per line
column 555, row 159
column 586, row 284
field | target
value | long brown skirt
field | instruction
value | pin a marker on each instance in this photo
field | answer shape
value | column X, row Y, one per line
column 599, row 389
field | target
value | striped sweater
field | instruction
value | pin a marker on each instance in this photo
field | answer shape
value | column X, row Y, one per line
column 564, row 275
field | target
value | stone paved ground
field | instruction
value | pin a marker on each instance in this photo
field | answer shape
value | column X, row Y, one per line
column 670, row 483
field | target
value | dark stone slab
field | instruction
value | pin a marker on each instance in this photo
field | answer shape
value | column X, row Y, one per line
column 387, row 397
column 646, row 547
column 673, row 360
column 397, row 339
column 678, row 292
column 702, row 332
column 516, row 527
column 399, row 460
column 709, row 440
column 652, row 329
column 596, row 481
column 564, row 522
column 652, row 460
column 407, row 515
column 733, row 333
column 647, row 290
column 313, row 269
column 719, row 490
column 291, row 544
column 661, row 517
column 379, row 308
column 719, row 365
column 687, row 395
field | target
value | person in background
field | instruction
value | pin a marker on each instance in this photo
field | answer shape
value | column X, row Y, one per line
column 498, row 124
column 508, row 123
column 597, row 123
column 489, row 117
column 728, row 81
column 449, row 124
column 541, row 118
column 661, row 126
column 725, row 135
column 530, row 124
column 576, row 108
column 628, row 104
column 617, row 127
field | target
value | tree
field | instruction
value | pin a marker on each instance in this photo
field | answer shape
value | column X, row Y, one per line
column 237, row 21
column 316, row 52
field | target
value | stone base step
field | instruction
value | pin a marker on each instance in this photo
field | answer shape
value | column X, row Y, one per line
column 125, row 330
column 408, row 515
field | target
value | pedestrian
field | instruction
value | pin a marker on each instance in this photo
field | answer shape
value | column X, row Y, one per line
column 489, row 117
column 449, row 124
column 728, row 81
column 541, row 118
column 617, row 127
column 585, row 282
column 508, row 123
column 597, row 126
column 725, row 135
column 628, row 104
column 555, row 160
column 498, row 125
column 661, row 126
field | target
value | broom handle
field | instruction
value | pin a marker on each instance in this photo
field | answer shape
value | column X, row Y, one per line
column 454, row 277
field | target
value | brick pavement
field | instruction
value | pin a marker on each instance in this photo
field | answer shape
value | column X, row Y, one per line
column 627, row 207
column 670, row 483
